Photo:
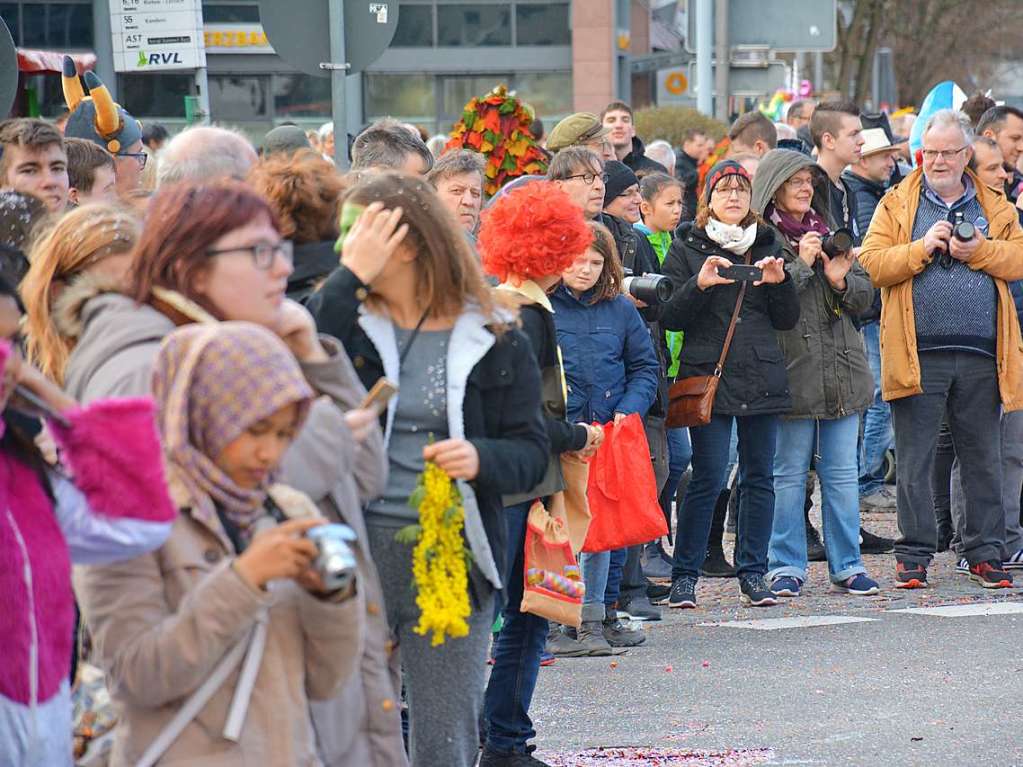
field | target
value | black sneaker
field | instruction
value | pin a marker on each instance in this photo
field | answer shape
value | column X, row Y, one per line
column 910, row 576
column 657, row 593
column 991, row 575
column 493, row 759
column 874, row 544
column 754, row 592
column 814, row 548
column 716, row 566
column 683, row 592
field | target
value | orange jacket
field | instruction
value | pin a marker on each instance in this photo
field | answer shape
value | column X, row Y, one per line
column 893, row 258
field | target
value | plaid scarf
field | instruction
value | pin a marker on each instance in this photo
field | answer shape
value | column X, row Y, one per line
column 211, row 383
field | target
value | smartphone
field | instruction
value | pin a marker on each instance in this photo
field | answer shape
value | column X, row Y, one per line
column 742, row 272
column 379, row 395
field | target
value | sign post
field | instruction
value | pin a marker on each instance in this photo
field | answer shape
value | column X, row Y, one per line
column 338, row 66
column 330, row 38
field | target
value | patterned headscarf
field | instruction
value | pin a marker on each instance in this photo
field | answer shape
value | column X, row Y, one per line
column 211, row 383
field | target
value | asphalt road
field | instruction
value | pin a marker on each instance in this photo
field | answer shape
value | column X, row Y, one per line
column 892, row 688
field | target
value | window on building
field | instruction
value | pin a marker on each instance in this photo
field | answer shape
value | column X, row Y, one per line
column 56, row 25
column 457, row 91
column 155, row 95
column 239, row 97
column 9, row 13
column 415, row 27
column 473, row 24
column 225, row 13
column 410, row 97
column 542, row 24
column 301, row 95
column 549, row 93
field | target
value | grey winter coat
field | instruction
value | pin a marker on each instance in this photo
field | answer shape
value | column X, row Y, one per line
column 824, row 354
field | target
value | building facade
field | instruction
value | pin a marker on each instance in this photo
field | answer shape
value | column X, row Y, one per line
column 559, row 55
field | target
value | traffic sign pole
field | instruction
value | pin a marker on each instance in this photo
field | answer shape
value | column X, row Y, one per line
column 704, row 56
column 338, row 74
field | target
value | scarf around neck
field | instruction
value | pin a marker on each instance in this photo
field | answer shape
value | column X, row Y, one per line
column 211, row 383
column 732, row 237
column 792, row 228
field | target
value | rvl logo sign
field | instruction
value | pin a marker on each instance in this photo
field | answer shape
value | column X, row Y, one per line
column 156, row 59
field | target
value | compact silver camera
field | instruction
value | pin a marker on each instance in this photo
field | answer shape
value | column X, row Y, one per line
column 335, row 560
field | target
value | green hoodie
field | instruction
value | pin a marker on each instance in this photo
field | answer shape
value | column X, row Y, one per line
column 661, row 241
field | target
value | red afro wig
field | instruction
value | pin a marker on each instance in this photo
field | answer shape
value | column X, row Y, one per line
column 531, row 232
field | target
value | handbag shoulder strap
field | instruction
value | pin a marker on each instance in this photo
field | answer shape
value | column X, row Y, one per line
column 731, row 325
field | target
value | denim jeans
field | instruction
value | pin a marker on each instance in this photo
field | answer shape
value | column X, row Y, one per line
column 968, row 385
column 516, row 654
column 680, row 453
column 833, row 442
column 602, row 576
column 756, row 437
column 878, row 436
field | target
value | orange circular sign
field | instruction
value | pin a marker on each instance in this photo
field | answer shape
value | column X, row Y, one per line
column 676, row 84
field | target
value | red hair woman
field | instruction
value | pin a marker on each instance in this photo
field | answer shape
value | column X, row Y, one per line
column 528, row 237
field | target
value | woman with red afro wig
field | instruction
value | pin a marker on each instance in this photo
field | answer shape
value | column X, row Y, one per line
column 527, row 238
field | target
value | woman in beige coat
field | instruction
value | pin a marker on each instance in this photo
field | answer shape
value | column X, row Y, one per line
column 231, row 400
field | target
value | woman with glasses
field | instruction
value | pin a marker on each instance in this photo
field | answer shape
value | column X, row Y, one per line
column 829, row 379
column 210, row 253
column 753, row 389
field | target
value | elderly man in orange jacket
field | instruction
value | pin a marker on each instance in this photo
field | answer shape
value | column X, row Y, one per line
column 942, row 247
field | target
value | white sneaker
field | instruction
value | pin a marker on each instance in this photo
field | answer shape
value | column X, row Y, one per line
column 1015, row 562
column 963, row 566
column 880, row 500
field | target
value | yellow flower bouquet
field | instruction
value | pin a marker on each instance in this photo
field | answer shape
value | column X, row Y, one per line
column 440, row 560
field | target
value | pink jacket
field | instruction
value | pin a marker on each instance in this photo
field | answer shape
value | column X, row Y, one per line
column 116, row 507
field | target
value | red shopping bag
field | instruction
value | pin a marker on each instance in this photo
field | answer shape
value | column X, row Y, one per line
column 622, row 490
column 552, row 581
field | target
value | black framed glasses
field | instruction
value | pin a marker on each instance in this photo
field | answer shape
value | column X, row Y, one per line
column 140, row 157
column 948, row 155
column 262, row 253
column 589, row 178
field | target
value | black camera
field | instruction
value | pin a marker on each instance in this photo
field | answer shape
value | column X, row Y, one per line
column 962, row 230
column 838, row 242
column 648, row 288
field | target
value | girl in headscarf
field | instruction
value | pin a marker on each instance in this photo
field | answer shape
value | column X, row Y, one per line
column 231, row 400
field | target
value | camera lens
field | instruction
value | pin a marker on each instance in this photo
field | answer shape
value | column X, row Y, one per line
column 838, row 242
column 964, row 231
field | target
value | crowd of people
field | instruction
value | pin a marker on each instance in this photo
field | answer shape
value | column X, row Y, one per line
column 193, row 336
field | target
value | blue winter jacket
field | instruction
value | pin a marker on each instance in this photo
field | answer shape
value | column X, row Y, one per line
column 610, row 363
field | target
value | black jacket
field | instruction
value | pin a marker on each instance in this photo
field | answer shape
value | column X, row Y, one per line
column 867, row 194
column 538, row 326
column 754, row 381
column 688, row 172
column 313, row 262
column 639, row 162
column 637, row 254
column 501, row 410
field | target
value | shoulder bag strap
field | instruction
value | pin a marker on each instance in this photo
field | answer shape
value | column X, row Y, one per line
column 731, row 325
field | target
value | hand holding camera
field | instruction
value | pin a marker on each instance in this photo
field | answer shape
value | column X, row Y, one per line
column 965, row 239
column 279, row 552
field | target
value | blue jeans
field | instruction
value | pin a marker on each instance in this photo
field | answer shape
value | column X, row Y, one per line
column 516, row 654
column 680, row 453
column 756, row 435
column 834, row 444
column 602, row 576
column 878, row 435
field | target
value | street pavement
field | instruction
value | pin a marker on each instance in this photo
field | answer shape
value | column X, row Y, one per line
column 882, row 683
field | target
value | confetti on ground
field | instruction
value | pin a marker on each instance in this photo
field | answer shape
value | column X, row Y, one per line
column 659, row 757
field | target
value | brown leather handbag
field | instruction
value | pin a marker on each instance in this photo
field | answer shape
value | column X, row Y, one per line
column 691, row 400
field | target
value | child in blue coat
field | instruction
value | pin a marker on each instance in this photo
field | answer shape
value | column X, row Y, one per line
column 612, row 371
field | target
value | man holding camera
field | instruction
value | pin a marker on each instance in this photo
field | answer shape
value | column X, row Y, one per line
column 941, row 247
